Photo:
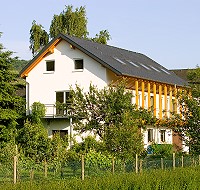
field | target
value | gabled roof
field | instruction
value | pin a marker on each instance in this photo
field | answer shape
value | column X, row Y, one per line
column 120, row 61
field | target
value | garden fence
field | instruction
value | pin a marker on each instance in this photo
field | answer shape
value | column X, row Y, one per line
column 22, row 170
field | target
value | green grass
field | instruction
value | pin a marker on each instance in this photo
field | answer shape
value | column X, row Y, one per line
column 178, row 179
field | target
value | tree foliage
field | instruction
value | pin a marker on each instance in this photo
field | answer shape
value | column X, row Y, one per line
column 73, row 23
column 70, row 22
column 110, row 114
column 11, row 105
column 38, row 38
column 187, row 122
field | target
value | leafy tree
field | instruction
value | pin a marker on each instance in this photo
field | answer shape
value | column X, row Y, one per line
column 102, row 37
column 73, row 23
column 187, row 122
column 110, row 114
column 33, row 137
column 38, row 38
column 11, row 105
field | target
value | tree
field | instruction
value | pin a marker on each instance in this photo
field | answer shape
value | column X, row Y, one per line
column 11, row 105
column 38, row 38
column 187, row 122
column 102, row 37
column 33, row 137
column 110, row 114
column 73, row 23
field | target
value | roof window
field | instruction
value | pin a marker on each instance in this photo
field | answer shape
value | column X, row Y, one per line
column 119, row 60
column 154, row 68
column 132, row 63
column 145, row 66
column 165, row 71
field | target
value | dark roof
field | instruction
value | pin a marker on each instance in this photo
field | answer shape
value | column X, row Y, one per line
column 121, row 61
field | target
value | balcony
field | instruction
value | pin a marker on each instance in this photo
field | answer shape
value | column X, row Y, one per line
column 56, row 111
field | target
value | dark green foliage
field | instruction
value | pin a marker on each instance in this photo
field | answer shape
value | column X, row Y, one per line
column 11, row 105
column 33, row 137
column 19, row 64
column 162, row 150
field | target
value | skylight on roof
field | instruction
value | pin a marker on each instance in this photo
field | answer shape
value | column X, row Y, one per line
column 155, row 68
column 165, row 71
column 145, row 66
column 119, row 60
column 134, row 64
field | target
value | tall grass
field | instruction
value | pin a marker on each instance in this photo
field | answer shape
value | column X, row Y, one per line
column 178, row 179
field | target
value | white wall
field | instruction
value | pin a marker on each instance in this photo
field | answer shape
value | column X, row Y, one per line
column 43, row 84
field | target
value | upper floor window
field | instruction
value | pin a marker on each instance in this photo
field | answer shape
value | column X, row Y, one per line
column 50, row 65
column 78, row 64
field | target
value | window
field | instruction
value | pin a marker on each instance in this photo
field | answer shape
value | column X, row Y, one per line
column 50, row 65
column 62, row 102
column 150, row 135
column 62, row 133
column 162, row 135
column 78, row 64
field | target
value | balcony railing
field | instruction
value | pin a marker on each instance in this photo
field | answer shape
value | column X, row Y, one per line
column 53, row 111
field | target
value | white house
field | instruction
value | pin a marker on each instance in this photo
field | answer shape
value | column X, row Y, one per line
column 67, row 61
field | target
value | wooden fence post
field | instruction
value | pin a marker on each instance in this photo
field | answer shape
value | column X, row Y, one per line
column 113, row 165
column 182, row 161
column 162, row 165
column 174, row 161
column 15, row 169
column 140, row 165
column 45, row 168
column 136, row 163
column 199, row 159
column 82, row 167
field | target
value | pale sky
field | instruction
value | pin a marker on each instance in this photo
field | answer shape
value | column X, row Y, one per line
column 167, row 31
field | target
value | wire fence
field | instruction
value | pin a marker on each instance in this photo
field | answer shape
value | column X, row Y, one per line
column 24, row 170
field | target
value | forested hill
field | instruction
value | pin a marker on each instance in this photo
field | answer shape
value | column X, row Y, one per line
column 19, row 64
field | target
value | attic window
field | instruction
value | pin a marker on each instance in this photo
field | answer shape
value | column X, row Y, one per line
column 119, row 60
column 78, row 64
column 50, row 65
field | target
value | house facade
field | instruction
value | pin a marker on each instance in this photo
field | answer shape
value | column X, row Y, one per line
column 67, row 61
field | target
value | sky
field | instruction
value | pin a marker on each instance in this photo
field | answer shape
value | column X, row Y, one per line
column 167, row 31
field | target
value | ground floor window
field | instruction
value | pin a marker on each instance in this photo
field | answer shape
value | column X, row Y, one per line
column 150, row 135
column 162, row 135
column 62, row 133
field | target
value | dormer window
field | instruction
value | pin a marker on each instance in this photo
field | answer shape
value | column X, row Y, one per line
column 78, row 64
column 50, row 65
